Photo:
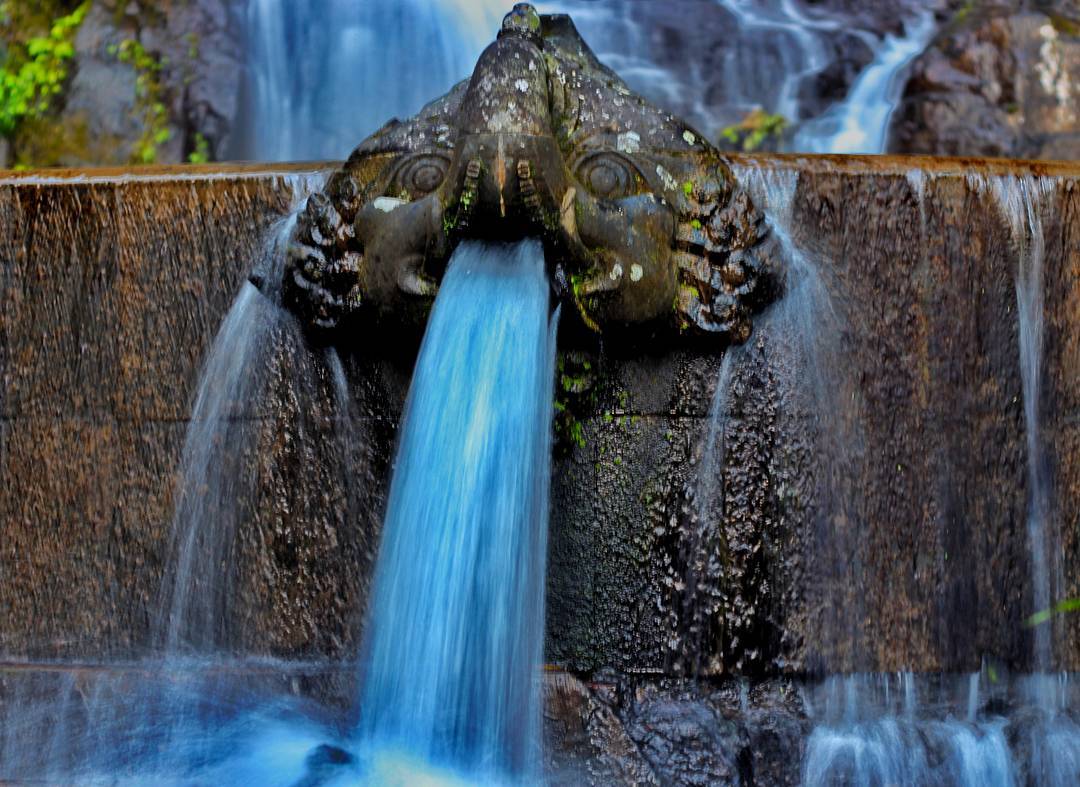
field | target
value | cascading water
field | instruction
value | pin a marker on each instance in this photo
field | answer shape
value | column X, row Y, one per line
column 872, row 730
column 1019, row 201
column 860, row 123
column 800, row 335
column 451, row 678
column 1053, row 736
column 213, row 476
column 323, row 74
column 797, row 335
column 456, row 619
column 319, row 77
column 152, row 720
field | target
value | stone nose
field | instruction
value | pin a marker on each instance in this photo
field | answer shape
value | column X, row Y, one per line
column 510, row 187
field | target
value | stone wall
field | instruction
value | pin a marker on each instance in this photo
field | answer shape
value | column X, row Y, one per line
column 878, row 525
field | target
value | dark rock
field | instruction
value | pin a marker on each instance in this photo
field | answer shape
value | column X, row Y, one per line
column 198, row 46
column 687, row 741
column 995, row 83
column 325, row 764
column 584, row 741
column 101, row 96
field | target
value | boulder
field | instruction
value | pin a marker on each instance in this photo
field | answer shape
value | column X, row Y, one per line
column 995, row 83
column 198, row 46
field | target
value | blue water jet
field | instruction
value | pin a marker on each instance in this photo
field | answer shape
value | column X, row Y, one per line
column 455, row 630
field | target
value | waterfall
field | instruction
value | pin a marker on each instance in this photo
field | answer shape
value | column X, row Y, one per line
column 766, row 59
column 216, row 469
column 869, row 733
column 860, row 123
column 324, row 74
column 319, row 77
column 455, row 627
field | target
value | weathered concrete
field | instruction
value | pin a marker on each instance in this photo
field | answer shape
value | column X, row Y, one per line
column 111, row 288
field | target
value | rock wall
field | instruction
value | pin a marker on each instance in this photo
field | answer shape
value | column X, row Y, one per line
column 107, row 111
column 999, row 80
column 883, row 532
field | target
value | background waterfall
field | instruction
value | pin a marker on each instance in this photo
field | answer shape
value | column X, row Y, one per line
column 323, row 74
column 320, row 78
column 456, row 621
column 860, row 122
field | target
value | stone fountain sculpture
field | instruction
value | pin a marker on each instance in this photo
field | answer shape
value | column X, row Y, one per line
column 641, row 219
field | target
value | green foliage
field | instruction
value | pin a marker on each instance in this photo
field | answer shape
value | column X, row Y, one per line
column 1065, row 25
column 201, row 153
column 755, row 129
column 568, row 429
column 1060, row 608
column 963, row 12
column 149, row 98
column 33, row 73
column 575, row 390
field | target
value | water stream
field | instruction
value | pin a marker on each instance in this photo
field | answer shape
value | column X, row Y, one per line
column 874, row 730
column 451, row 662
column 860, row 123
column 800, row 339
column 319, row 79
column 455, row 630
column 324, row 74
column 1019, row 200
column 217, row 468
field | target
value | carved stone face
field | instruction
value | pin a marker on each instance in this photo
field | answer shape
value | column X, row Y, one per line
column 639, row 215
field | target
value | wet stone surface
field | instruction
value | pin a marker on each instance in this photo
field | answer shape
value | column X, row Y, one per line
column 909, row 553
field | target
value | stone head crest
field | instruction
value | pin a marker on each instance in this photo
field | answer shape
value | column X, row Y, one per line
column 640, row 217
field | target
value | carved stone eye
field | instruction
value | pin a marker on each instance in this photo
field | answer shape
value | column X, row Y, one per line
column 420, row 175
column 608, row 176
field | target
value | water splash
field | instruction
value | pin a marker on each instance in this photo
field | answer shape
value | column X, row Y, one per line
column 1020, row 201
column 860, row 123
column 456, row 620
column 216, row 470
column 323, row 74
column 872, row 730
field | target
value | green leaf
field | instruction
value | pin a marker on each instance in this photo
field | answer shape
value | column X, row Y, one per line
column 1060, row 608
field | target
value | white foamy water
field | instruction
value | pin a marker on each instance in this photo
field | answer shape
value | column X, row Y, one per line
column 860, row 123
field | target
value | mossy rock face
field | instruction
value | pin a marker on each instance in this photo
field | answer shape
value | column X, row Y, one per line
column 641, row 220
column 144, row 83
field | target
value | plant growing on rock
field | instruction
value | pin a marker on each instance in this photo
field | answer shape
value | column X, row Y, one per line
column 149, row 98
column 34, row 71
column 754, row 130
